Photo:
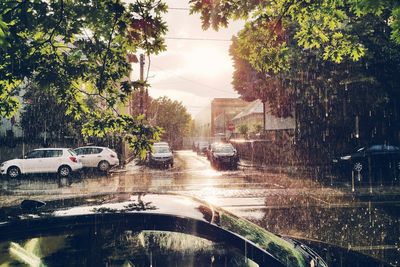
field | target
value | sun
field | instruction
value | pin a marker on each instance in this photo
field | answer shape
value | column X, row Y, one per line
column 208, row 60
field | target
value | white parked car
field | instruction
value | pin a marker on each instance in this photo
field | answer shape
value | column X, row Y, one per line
column 102, row 158
column 161, row 156
column 43, row 160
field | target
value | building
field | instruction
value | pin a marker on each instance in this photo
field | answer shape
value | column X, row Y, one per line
column 252, row 115
column 222, row 112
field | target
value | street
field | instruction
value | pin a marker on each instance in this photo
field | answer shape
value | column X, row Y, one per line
column 275, row 201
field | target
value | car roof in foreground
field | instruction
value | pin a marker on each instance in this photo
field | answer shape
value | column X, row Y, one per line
column 102, row 147
column 125, row 204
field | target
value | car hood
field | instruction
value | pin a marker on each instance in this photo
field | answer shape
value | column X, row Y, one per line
column 12, row 161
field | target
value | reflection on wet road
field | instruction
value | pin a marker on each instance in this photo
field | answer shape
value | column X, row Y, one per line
column 281, row 204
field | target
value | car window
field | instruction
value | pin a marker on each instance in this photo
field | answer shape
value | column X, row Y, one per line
column 72, row 152
column 161, row 149
column 164, row 248
column 392, row 148
column 53, row 153
column 375, row 148
column 224, row 149
column 35, row 154
column 78, row 151
column 85, row 151
column 95, row 150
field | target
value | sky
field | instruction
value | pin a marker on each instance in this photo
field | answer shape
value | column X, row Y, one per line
column 193, row 72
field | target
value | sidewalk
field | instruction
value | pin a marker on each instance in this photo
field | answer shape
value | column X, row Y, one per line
column 329, row 181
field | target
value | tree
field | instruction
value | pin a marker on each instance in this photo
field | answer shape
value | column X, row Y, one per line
column 257, row 128
column 339, row 105
column 172, row 117
column 320, row 24
column 252, row 84
column 77, row 50
column 43, row 115
column 243, row 129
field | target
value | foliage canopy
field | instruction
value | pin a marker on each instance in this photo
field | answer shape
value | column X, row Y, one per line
column 77, row 50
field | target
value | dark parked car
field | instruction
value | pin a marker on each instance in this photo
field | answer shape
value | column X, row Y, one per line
column 223, row 155
column 140, row 230
column 202, row 148
column 376, row 160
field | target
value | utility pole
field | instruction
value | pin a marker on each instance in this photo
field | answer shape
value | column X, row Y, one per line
column 141, row 61
column 224, row 124
column 264, row 116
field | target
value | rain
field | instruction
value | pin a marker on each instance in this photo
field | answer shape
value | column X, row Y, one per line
column 289, row 123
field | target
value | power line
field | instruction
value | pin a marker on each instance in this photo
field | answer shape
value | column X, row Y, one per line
column 197, row 39
column 179, row 8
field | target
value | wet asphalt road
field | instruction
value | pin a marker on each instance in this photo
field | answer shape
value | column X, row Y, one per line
column 282, row 204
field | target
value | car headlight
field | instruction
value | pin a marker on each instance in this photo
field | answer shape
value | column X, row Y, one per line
column 2, row 165
column 345, row 157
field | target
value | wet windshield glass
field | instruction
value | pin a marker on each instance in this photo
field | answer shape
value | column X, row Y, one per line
column 223, row 149
column 285, row 113
column 161, row 149
column 141, row 248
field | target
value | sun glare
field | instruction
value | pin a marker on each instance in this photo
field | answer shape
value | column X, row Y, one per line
column 208, row 60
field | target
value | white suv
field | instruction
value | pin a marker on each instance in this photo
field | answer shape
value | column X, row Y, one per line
column 102, row 158
column 43, row 160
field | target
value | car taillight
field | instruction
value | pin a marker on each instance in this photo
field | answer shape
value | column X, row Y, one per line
column 73, row 159
column 112, row 155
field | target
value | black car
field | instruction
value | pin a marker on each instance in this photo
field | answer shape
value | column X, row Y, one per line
column 202, row 148
column 223, row 155
column 382, row 161
column 140, row 230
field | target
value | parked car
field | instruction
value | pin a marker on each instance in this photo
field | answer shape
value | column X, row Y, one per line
column 381, row 158
column 102, row 158
column 140, row 230
column 223, row 155
column 161, row 156
column 202, row 148
column 63, row 161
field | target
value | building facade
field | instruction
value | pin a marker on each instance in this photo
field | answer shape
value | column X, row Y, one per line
column 223, row 110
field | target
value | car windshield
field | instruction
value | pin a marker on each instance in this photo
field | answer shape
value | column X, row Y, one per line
column 284, row 112
column 223, row 149
column 161, row 149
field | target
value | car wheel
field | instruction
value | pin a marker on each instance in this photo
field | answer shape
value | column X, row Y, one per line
column 13, row 172
column 64, row 171
column 104, row 166
column 358, row 166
